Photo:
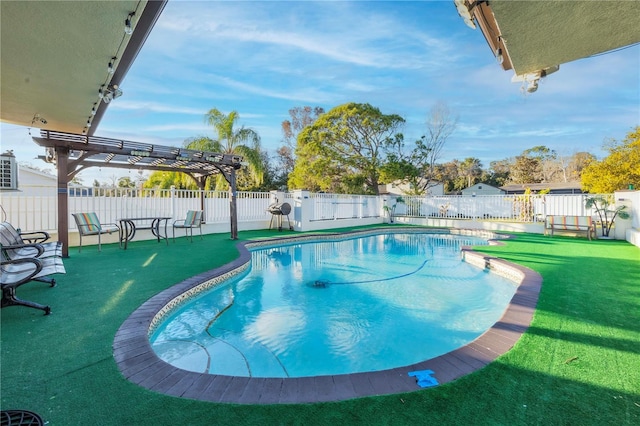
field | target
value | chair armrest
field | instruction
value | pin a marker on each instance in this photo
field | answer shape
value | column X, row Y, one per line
column 37, row 246
column 87, row 227
column 179, row 222
column 104, row 227
column 35, row 236
column 21, row 275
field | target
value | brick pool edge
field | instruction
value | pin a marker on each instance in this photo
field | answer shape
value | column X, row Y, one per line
column 139, row 364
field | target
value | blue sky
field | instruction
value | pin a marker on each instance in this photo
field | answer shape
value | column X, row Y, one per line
column 263, row 58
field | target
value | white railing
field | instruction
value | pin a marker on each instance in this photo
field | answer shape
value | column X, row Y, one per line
column 513, row 207
column 39, row 212
column 31, row 212
column 343, row 206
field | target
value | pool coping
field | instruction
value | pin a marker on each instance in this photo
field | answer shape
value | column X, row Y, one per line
column 139, row 364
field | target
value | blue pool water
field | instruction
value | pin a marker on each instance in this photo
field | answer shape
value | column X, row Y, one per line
column 362, row 304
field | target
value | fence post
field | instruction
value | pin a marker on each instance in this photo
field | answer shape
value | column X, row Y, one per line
column 303, row 209
column 173, row 200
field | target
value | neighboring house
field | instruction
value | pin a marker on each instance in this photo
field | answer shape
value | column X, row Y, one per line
column 482, row 189
column 554, row 188
column 30, row 182
column 401, row 188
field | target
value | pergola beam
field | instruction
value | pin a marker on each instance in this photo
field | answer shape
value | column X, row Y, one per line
column 74, row 153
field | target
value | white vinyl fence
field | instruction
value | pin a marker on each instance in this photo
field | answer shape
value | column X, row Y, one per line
column 343, row 206
column 40, row 212
column 518, row 208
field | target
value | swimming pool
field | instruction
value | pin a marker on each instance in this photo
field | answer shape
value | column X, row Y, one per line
column 335, row 307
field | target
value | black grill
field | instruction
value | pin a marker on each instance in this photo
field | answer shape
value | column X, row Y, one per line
column 278, row 210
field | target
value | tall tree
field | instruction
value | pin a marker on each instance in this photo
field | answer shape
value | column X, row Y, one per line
column 345, row 148
column 546, row 158
column 617, row 170
column 471, row 169
column 449, row 174
column 284, row 164
column 440, row 124
column 577, row 164
column 232, row 140
column 166, row 179
column 525, row 170
column 499, row 172
column 301, row 117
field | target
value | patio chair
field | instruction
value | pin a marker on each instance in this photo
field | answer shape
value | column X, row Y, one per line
column 89, row 224
column 16, row 272
column 193, row 220
column 17, row 245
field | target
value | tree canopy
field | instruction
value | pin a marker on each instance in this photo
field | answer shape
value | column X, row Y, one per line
column 343, row 150
column 618, row 170
column 230, row 140
column 419, row 167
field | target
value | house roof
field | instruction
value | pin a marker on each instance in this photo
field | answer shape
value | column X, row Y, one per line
column 535, row 37
column 484, row 185
column 45, row 175
column 572, row 186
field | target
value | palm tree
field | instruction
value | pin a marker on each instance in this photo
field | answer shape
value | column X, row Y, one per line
column 238, row 141
column 167, row 179
column 471, row 169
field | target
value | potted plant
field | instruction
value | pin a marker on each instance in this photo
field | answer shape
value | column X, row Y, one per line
column 606, row 210
column 390, row 210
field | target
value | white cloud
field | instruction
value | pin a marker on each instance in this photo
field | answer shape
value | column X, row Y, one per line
column 149, row 106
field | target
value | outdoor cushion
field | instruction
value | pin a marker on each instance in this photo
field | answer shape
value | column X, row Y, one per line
column 89, row 224
column 192, row 220
column 16, row 272
column 16, row 247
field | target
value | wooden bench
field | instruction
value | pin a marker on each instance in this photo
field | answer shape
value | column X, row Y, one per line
column 570, row 223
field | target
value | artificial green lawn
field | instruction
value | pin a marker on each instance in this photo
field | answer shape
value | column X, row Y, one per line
column 578, row 364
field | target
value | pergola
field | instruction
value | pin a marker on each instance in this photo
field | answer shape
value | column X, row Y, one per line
column 73, row 153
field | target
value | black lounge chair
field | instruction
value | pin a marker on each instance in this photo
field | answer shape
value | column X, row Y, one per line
column 18, row 245
column 16, row 272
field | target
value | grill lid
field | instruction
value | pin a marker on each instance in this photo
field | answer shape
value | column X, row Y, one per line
column 279, row 208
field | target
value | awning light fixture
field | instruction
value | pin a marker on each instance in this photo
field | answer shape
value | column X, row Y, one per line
column 110, row 67
column 530, row 80
column 128, row 28
column 110, row 93
column 38, row 119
